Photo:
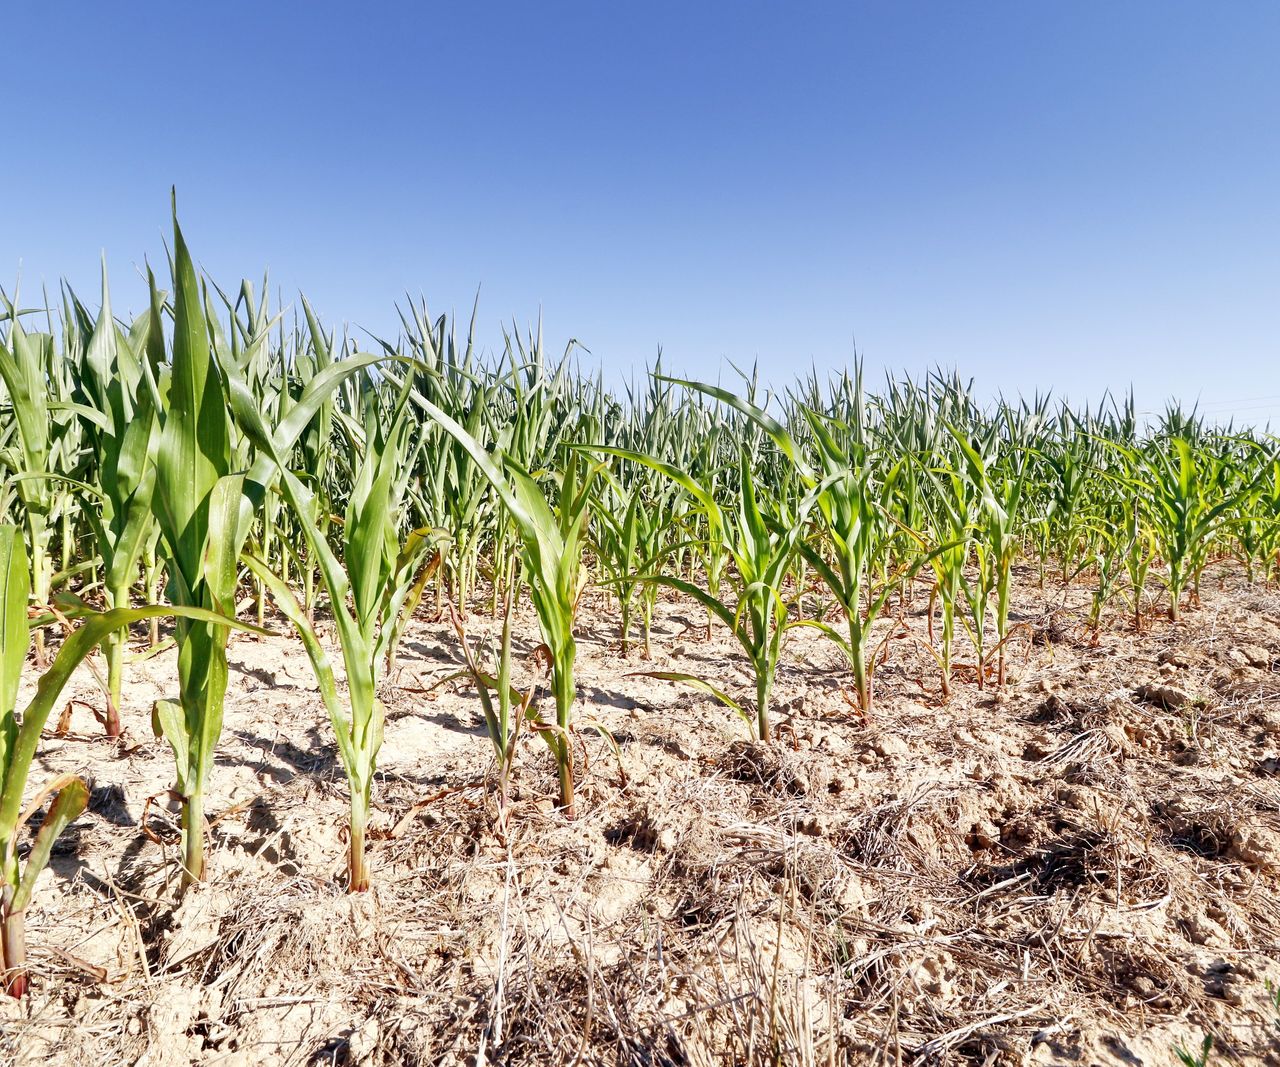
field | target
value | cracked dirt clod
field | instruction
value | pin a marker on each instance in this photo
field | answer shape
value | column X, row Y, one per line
column 1165, row 696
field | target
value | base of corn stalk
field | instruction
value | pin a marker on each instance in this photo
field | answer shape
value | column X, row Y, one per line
column 565, row 760
column 763, row 686
column 114, row 649
column 115, row 686
column 111, row 724
column 357, row 860
column 13, row 953
column 192, row 840
column 862, row 685
column 110, row 717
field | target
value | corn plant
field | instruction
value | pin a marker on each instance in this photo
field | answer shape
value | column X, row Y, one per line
column 197, row 505
column 1000, row 481
column 632, row 536
column 376, row 571
column 761, row 546
column 44, row 451
column 861, row 533
column 700, row 451
column 948, row 505
column 1265, row 502
column 1250, row 520
column 245, row 345
column 1109, row 543
column 1125, row 532
column 1068, row 457
column 503, row 720
column 123, row 429
column 67, row 794
column 449, row 491
column 204, row 508
column 871, row 546
column 1189, row 503
column 857, row 530
column 315, row 447
column 552, row 534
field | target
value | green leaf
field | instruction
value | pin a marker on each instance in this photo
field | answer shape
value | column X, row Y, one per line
column 701, row 684
column 15, row 590
column 781, row 436
column 74, row 649
column 169, row 722
column 294, row 612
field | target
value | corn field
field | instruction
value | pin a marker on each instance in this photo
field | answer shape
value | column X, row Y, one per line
column 218, row 468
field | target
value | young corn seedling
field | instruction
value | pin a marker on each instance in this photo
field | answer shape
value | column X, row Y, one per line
column 616, row 541
column 698, row 450
column 861, row 534
column 552, row 536
column 246, row 345
column 951, row 505
column 44, row 449
column 1108, row 556
column 1139, row 553
column 1189, row 504
column 1069, row 457
column 631, row 537
column 872, row 546
column 1195, row 1058
column 1251, row 519
column 858, row 532
column 1125, row 525
column 761, row 547
column 371, row 587
column 123, row 428
column 1267, row 504
column 19, row 738
column 315, row 446
column 999, row 482
column 450, row 491
column 502, row 722
column 204, row 508
column 197, row 504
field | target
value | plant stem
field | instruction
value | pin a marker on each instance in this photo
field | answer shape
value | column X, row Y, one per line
column 562, row 682
column 763, row 684
column 115, row 672
column 115, row 645
column 860, row 680
column 193, row 839
column 13, row 952
column 357, row 865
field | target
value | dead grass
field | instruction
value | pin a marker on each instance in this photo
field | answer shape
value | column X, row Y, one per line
column 1082, row 867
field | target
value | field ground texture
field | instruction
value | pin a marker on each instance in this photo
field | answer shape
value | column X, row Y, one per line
column 1081, row 867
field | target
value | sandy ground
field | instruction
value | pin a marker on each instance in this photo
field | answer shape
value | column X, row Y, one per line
column 1080, row 868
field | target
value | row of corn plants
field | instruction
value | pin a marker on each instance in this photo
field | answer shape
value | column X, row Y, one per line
column 222, row 464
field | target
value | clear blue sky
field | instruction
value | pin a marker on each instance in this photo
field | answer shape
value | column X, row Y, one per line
column 1044, row 195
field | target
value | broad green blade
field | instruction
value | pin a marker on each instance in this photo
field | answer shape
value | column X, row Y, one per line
column 15, row 589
